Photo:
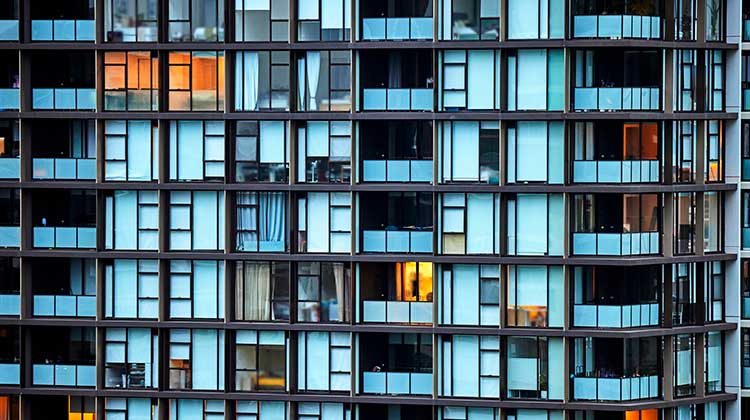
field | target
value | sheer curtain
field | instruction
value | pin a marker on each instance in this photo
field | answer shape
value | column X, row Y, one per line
column 272, row 213
column 341, row 295
column 254, row 291
column 313, row 73
column 246, row 92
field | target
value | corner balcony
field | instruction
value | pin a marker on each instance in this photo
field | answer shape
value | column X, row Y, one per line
column 397, row 29
column 616, row 389
column 617, row 26
column 64, row 169
column 614, row 316
column 71, row 375
column 617, row 99
column 62, row 30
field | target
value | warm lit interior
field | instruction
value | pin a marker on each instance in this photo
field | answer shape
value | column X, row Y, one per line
column 642, row 415
column 196, row 77
column 640, row 141
column 141, row 69
column 414, row 281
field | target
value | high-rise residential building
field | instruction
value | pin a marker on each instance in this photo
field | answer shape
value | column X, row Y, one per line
column 374, row 209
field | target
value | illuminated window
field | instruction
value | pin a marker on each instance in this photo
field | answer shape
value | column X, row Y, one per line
column 81, row 408
column 131, row 81
column 196, row 81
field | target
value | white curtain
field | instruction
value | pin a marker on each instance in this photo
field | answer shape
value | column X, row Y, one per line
column 272, row 213
column 341, row 298
column 313, row 73
column 301, row 82
column 254, row 291
column 247, row 92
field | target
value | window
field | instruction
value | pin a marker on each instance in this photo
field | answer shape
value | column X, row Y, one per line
column 196, row 359
column 450, row 412
column 745, row 349
column 465, row 83
column 466, row 375
column 196, row 20
column 714, row 20
column 196, row 80
column 535, row 224
column 261, row 410
column 261, row 221
column 684, row 219
column 131, row 289
column 325, row 222
column 196, row 150
column 131, row 150
column 10, row 286
column 261, row 80
column 535, row 296
column 325, row 152
column 714, row 77
column 196, row 220
column 683, row 147
column 130, row 20
column 131, row 81
column 131, row 408
column 536, row 80
column 323, row 292
column 196, row 409
column 265, row 20
column 131, row 358
column 714, row 151
column 470, row 223
column 469, row 20
column 712, row 221
column 543, row 19
column 535, row 152
column 324, row 80
column 81, row 408
column 714, row 349
column 324, row 361
column 323, row 20
column 470, row 151
column 683, row 365
column 534, row 414
column 470, row 295
column 685, row 67
column 745, row 220
column 262, row 291
column 535, row 368
column 713, row 291
column 745, row 151
column 10, row 147
column 261, row 359
column 196, row 289
column 132, row 220
column 319, row 411
column 684, row 294
column 262, row 151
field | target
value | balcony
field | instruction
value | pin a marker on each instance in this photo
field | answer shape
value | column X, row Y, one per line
column 81, row 99
column 396, row 170
column 63, row 375
column 10, row 373
column 396, row 312
column 616, row 389
column 614, row 316
column 397, row 99
column 8, row 29
column 10, row 168
column 10, row 304
column 617, row 27
column 399, row 241
column 404, row 383
column 615, row 172
column 62, row 30
column 397, row 29
column 10, row 99
column 64, row 237
column 617, row 99
column 64, row 168
column 64, row 306
column 616, row 244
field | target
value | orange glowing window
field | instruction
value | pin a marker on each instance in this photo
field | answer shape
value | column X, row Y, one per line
column 196, row 81
column 640, row 141
column 130, row 81
column 414, row 281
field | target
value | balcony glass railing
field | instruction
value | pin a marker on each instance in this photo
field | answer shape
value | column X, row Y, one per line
column 64, row 237
column 64, row 168
column 397, row 312
column 10, row 236
column 397, row 99
column 10, row 373
column 638, row 243
column 617, row 99
column 63, row 375
column 409, row 383
column 745, row 169
column 746, row 238
column 615, row 171
column 10, row 99
column 401, row 28
column 745, row 307
column 397, row 170
column 746, row 377
column 64, row 305
column 746, row 30
column 616, row 389
column 9, row 30
column 746, row 99
column 614, row 316
column 10, row 168
column 10, row 304
column 62, row 30
column 617, row 26
column 64, row 98
column 396, row 241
